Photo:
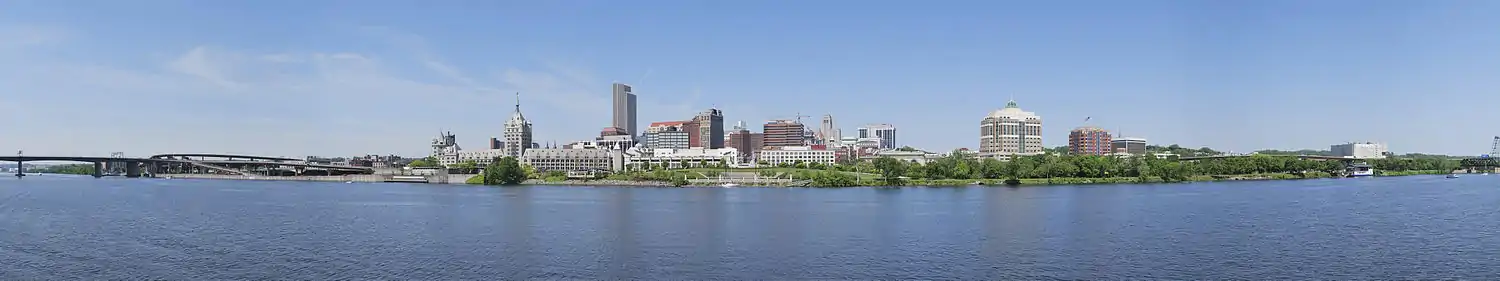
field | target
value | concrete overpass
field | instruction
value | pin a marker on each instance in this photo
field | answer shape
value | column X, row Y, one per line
column 225, row 156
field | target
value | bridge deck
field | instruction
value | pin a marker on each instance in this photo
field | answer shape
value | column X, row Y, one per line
column 213, row 164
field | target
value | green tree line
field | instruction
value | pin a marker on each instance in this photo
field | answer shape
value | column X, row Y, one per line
column 960, row 165
column 71, row 169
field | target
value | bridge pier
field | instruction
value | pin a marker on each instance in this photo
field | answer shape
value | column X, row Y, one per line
column 20, row 169
column 98, row 169
column 132, row 169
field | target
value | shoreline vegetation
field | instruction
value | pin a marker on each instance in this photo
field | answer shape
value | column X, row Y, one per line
column 959, row 169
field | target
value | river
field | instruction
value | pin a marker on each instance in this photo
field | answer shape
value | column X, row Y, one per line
column 1419, row 227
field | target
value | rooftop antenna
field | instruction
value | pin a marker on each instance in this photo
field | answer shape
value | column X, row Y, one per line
column 518, row 101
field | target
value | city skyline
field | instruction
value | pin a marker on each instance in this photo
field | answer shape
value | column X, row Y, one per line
column 283, row 78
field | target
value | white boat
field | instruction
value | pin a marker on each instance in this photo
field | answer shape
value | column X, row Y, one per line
column 1361, row 170
column 1452, row 176
column 730, row 185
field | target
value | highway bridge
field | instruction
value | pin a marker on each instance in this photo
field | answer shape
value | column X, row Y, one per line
column 227, row 164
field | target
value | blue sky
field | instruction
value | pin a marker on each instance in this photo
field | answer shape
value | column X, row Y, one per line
column 297, row 78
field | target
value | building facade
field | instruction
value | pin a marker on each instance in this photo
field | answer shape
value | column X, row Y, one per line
column 641, row 158
column 624, row 109
column 914, row 157
column 709, row 129
column 1133, row 146
column 570, row 160
column 517, row 133
column 1363, row 150
column 1010, row 131
column 1090, row 141
column 775, row 156
column 445, row 149
column 885, row 132
column 747, row 142
column 784, row 133
column 670, row 134
column 829, row 133
column 481, row 157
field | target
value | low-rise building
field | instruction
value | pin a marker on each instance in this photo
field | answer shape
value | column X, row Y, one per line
column 615, row 142
column 1128, row 145
column 568, row 159
column 641, row 158
column 797, row 154
column 1364, row 150
column 917, row 157
column 481, row 157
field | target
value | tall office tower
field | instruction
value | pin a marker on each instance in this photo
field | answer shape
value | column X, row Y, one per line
column 624, row 109
column 784, row 133
column 709, row 127
column 517, row 133
column 885, row 132
column 829, row 134
column 1090, row 141
column 1010, row 131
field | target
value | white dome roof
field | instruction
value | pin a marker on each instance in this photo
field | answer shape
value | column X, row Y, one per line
column 1013, row 111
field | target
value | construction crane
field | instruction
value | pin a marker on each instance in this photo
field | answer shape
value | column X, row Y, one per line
column 799, row 117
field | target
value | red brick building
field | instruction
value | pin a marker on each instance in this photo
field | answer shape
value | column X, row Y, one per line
column 1089, row 141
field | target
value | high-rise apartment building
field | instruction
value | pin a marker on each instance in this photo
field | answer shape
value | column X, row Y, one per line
column 885, row 132
column 624, row 109
column 1010, row 131
column 517, row 133
column 784, row 133
column 1090, row 141
column 1135, row 146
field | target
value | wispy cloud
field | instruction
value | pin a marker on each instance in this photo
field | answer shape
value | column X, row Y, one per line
column 24, row 36
column 309, row 102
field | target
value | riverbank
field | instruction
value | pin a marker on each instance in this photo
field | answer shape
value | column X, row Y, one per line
column 866, row 182
column 764, row 182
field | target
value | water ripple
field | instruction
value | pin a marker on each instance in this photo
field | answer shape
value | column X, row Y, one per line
column 62, row 228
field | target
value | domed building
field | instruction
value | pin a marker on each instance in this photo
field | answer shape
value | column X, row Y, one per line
column 1010, row 131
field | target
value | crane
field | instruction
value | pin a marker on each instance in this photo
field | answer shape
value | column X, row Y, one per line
column 799, row 117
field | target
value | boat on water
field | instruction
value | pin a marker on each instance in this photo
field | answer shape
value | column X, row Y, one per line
column 1452, row 176
column 729, row 185
column 1360, row 170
